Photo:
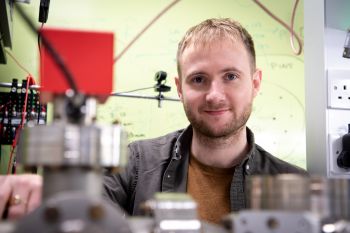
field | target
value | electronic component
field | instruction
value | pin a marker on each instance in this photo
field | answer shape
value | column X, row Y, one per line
column 44, row 10
column 12, row 104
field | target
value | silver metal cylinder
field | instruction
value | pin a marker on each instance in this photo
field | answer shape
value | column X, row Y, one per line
column 319, row 200
column 61, row 144
column 338, row 192
column 72, row 153
column 174, row 212
column 282, row 192
column 330, row 198
column 72, row 179
column 326, row 198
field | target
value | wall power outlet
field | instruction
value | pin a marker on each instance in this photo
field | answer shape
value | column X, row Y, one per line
column 339, row 88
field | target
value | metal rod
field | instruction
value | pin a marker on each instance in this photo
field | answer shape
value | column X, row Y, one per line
column 37, row 87
column 9, row 85
column 144, row 97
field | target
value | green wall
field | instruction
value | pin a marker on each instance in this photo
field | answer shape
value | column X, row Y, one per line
column 278, row 115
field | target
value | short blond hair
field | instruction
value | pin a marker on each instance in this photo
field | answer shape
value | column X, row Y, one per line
column 210, row 31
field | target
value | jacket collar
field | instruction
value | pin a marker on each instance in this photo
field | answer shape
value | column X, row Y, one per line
column 183, row 144
column 248, row 162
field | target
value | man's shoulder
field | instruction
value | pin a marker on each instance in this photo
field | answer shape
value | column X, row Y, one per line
column 266, row 163
column 159, row 146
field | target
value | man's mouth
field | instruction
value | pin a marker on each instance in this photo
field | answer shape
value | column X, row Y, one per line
column 216, row 112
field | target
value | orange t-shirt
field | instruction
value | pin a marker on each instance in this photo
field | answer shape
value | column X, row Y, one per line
column 210, row 188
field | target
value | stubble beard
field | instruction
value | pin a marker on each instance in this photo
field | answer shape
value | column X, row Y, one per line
column 231, row 128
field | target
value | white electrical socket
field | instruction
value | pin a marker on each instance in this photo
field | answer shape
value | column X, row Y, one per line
column 339, row 88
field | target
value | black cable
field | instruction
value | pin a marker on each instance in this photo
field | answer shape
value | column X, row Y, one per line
column 39, row 41
column 39, row 48
column 51, row 50
column 140, row 89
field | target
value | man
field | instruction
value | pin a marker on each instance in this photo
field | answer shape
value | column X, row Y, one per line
column 210, row 159
column 217, row 83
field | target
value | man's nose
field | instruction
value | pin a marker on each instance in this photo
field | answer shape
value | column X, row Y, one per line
column 216, row 92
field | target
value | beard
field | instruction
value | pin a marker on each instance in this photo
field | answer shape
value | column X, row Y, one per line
column 209, row 130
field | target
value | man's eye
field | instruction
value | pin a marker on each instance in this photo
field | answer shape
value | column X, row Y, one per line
column 198, row 79
column 231, row 77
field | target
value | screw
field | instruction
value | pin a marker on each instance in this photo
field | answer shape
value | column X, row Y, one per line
column 51, row 213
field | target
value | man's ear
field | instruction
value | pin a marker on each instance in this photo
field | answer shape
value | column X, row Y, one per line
column 178, row 87
column 257, row 76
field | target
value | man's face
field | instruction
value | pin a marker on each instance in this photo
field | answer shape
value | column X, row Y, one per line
column 217, row 87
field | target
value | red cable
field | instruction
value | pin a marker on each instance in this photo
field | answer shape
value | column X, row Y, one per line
column 30, row 81
column 145, row 29
column 5, row 105
column 17, row 62
column 288, row 27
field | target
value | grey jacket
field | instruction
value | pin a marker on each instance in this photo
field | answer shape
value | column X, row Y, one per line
column 161, row 165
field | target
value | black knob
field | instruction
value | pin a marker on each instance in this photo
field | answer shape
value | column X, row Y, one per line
column 343, row 159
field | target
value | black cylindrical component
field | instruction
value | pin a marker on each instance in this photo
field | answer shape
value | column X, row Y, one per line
column 343, row 159
column 346, row 52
